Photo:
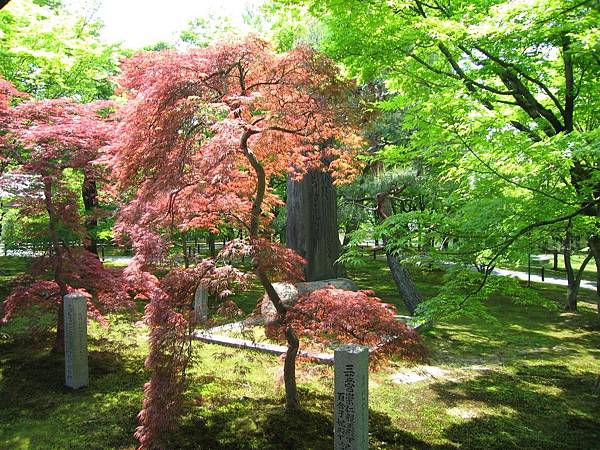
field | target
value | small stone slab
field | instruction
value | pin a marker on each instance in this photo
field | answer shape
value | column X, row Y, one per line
column 421, row 373
column 76, row 353
column 201, row 304
column 410, row 321
column 351, row 398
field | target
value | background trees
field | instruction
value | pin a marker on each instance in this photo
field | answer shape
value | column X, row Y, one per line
column 499, row 94
column 50, row 52
column 45, row 142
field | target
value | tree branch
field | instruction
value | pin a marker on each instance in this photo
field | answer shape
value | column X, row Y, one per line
column 522, row 232
column 569, row 83
column 504, row 177
column 521, row 72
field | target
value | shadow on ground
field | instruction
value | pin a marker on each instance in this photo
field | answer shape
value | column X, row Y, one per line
column 542, row 406
column 32, row 391
column 245, row 423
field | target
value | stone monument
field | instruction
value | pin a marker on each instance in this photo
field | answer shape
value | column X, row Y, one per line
column 351, row 422
column 76, row 353
column 201, row 304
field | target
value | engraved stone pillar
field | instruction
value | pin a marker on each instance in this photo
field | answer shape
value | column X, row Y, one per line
column 76, row 354
column 201, row 304
column 351, row 424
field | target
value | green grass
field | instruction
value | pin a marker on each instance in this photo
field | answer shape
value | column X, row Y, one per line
column 10, row 266
column 534, row 392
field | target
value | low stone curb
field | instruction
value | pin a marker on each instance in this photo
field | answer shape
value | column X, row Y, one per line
column 211, row 338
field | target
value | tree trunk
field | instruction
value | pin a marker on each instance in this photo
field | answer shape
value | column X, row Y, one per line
column 573, row 280
column 89, row 192
column 210, row 241
column 406, row 287
column 311, row 227
column 594, row 244
column 57, row 261
column 572, row 288
column 293, row 344
column 289, row 368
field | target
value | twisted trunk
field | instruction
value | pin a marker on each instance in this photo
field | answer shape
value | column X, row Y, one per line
column 289, row 369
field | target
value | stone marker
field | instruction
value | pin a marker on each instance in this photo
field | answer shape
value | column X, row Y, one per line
column 201, row 304
column 351, row 425
column 76, row 353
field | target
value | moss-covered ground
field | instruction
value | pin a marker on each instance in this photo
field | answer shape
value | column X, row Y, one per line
column 522, row 381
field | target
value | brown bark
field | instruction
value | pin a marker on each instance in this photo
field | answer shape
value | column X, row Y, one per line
column 57, row 261
column 311, row 225
column 406, row 287
column 289, row 369
column 594, row 244
column 89, row 192
column 210, row 242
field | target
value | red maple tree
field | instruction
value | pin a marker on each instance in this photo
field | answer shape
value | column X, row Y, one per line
column 171, row 322
column 43, row 141
column 329, row 314
column 205, row 131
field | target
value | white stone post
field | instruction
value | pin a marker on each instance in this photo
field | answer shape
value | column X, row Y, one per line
column 201, row 304
column 76, row 353
column 351, row 424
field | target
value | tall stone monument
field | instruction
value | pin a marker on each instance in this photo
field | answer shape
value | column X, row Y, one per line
column 201, row 304
column 351, row 424
column 76, row 353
